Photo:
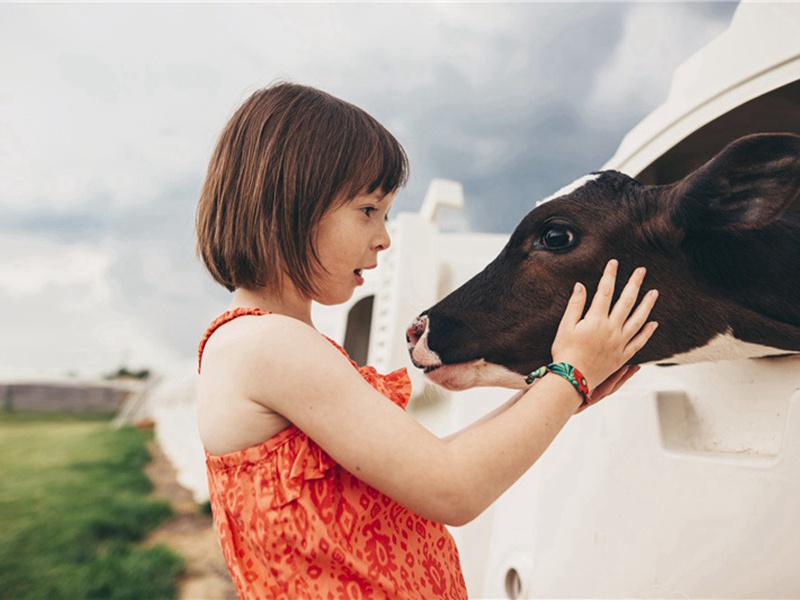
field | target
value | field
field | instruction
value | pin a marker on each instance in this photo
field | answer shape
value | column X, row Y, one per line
column 74, row 503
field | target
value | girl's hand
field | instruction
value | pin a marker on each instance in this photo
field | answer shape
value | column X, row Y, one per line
column 610, row 385
column 606, row 338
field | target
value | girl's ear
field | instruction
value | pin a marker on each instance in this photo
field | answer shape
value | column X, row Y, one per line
column 748, row 185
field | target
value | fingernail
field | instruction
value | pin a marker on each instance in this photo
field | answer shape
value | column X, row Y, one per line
column 577, row 288
column 654, row 293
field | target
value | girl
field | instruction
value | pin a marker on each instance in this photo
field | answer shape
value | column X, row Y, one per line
column 321, row 484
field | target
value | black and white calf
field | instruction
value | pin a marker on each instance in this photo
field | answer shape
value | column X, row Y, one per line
column 720, row 245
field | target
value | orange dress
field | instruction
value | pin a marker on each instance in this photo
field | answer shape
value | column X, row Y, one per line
column 294, row 524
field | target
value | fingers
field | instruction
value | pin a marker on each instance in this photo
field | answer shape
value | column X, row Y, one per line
column 605, row 388
column 627, row 299
column 638, row 342
column 639, row 316
column 630, row 371
column 574, row 310
column 601, row 303
column 611, row 385
column 608, row 335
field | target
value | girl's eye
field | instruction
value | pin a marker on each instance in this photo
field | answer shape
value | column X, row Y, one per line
column 556, row 237
column 368, row 210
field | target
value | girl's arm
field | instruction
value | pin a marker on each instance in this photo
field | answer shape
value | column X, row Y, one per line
column 487, row 417
column 608, row 387
column 290, row 368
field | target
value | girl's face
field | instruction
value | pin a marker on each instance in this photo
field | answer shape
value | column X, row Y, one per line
column 348, row 241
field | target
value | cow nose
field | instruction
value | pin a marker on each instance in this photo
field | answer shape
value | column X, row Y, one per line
column 415, row 330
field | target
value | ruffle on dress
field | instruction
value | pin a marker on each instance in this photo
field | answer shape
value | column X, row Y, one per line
column 277, row 468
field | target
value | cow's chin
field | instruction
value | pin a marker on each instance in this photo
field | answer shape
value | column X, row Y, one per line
column 476, row 373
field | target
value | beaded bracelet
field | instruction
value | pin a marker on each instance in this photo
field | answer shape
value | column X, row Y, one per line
column 566, row 371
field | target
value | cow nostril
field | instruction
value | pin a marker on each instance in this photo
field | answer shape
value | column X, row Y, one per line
column 415, row 331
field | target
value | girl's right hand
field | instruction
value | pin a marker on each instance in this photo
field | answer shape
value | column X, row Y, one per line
column 606, row 338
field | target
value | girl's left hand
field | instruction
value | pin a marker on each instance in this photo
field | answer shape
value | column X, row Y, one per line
column 611, row 385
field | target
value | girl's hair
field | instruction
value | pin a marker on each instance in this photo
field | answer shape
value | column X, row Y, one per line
column 288, row 155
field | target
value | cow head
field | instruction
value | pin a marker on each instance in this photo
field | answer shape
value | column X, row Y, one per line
column 719, row 245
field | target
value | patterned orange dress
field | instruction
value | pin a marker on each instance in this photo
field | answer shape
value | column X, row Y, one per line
column 294, row 524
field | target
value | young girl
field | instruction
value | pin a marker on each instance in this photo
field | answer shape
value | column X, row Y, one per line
column 321, row 484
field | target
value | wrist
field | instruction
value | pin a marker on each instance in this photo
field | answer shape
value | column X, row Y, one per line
column 568, row 373
column 582, row 362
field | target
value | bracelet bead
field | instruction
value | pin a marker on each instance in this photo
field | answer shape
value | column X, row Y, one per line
column 568, row 372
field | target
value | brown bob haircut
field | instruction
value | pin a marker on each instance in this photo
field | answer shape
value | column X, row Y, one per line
column 288, row 155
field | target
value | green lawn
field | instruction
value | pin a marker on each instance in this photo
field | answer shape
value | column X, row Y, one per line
column 73, row 505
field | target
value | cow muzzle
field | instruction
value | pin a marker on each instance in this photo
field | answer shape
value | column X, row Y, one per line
column 422, row 357
column 457, row 376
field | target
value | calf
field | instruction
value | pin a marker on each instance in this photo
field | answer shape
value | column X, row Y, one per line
column 720, row 245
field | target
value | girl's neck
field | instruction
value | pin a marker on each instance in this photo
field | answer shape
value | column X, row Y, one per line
column 288, row 303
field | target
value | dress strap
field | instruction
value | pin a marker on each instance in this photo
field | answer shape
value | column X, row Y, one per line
column 219, row 322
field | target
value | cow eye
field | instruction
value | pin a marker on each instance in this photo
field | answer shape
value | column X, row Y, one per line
column 557, row 237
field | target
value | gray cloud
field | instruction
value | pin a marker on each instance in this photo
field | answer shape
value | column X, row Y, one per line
column 519, row 134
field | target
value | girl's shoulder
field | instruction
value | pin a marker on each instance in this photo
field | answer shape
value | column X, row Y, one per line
column 256, row 338
column 254, row 367
column 269, row 347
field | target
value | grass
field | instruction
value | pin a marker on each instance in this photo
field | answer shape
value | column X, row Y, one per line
column 73, row 505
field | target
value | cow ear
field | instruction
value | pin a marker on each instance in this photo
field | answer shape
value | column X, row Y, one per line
column 748, row 185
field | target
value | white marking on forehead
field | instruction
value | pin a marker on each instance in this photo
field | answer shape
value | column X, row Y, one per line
column 723, row 347
column 568, row 189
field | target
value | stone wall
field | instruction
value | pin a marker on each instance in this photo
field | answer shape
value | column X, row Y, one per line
column 62, row 397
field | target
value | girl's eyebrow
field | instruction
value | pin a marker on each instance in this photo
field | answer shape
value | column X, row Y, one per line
column 379, row 195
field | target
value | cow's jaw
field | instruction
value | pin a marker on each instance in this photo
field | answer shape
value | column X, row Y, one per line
column 476, row 373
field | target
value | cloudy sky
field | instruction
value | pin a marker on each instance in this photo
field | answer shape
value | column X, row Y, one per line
column 109, row 112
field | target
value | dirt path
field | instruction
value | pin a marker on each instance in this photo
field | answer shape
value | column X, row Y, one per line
column 190, row 534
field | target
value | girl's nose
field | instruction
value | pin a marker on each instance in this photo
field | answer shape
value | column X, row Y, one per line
column 383, row 240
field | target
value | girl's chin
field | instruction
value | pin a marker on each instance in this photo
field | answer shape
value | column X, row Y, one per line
column 334, row 299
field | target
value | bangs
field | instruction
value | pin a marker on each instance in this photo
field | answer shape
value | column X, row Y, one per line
column 377, row 162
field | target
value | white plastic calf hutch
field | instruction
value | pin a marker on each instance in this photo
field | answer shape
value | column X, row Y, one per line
column 687, row 482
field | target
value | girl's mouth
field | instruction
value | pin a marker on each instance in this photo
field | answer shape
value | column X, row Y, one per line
column 359, row 278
